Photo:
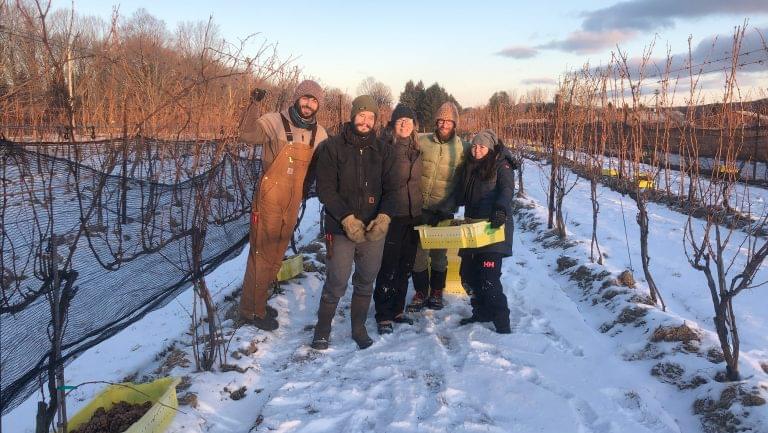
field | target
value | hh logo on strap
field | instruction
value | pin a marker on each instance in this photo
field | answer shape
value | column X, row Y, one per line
column 488, row 264
column 371, row 200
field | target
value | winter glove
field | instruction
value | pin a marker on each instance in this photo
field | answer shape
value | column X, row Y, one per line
column 498, row 218
column 354, row 229
column 377, row 228
column 437, row 217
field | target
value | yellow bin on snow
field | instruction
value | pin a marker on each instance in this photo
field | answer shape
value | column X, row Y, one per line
column 452, row 278
column 291, row 267
column 645, row 180
column 162, row 393
column 473, row 235
column 610, row 172
column 726, row 169
column 645, row 184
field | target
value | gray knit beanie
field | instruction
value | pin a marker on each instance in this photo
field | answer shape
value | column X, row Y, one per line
column 486, row 138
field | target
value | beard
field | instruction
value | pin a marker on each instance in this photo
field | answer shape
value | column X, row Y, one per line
column 446, row 135
column 305, row 111
column 359, row 128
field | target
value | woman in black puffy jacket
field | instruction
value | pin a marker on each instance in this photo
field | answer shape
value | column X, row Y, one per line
column 486, row 191
column 402, row 239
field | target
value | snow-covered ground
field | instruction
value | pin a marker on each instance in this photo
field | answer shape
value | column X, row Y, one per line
column 561, row 370
column 684, row 288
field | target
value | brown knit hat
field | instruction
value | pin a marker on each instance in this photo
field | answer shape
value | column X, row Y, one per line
column 308, row 87
column 448, row 111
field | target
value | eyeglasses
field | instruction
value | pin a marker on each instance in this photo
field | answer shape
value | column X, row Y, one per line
column 443, row 121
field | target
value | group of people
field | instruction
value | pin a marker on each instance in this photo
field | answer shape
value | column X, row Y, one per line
column 375, row 187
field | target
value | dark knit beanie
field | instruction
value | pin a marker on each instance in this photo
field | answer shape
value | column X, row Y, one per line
column 403, row 111
column 364, row 103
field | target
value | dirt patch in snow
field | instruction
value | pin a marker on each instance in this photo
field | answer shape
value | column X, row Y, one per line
column 565, row 262
column 626, row 278
column 726, row 414
column 585, row 278
column 670, row 334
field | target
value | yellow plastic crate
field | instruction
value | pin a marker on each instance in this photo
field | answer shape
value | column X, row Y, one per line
column 162, row 393
column 643, row 175
column 645, row 180
column 473, row 235
column 646, row 184
column 724, row 169
column 452, row 278
column 610, row 172
column 291, row 267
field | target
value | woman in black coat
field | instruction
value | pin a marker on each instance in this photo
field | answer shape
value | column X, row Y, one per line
column 486, row 191
column 402, row 239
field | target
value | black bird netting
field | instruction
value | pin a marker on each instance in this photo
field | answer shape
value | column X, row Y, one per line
column 109, row 228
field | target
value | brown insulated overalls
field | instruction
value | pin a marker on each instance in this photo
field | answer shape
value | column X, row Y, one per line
column 275, row 211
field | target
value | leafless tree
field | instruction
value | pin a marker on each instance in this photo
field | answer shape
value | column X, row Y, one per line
column 380, row 92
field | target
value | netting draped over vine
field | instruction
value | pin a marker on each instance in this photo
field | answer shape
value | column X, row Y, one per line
column 109, row 227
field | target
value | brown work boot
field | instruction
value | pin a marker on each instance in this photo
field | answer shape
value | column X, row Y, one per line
column 437, row 283
column 266, row 323
column 358, row 313
column 417, row 303
column 435, row 301
column 322, row 336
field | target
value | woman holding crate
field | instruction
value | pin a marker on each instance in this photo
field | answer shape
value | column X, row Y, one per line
column 486, row 191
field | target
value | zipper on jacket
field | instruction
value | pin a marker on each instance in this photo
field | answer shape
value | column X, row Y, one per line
column 360, row 183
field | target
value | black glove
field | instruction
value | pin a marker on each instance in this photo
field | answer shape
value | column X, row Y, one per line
column 498, row 217
column 435, row 218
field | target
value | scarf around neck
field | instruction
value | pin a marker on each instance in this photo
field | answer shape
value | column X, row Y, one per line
column 299, row 121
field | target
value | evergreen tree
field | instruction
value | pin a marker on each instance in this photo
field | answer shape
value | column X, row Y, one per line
column 410, row 95
column 425, row 101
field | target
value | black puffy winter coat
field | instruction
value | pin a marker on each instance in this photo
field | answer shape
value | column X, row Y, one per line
column 486, row 185
column 405, row 175
column 353, row 177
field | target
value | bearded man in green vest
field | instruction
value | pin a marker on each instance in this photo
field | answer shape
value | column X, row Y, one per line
column 442, row 154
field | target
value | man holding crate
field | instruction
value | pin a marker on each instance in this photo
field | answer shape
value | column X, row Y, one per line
column 443, row 153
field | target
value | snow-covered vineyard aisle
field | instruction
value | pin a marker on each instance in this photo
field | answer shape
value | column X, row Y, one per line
column 557, row 372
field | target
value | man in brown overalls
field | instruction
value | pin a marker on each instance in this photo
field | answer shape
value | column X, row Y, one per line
column 288, row 140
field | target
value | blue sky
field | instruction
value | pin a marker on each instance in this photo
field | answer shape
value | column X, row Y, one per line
column 472, row 48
